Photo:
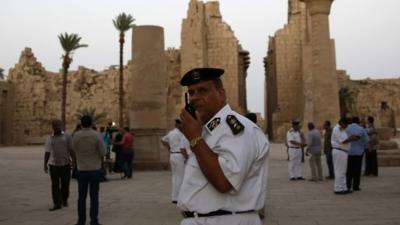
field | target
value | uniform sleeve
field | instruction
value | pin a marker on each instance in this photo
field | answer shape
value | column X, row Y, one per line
column 184, row 144
column 47, row 146
column 288, row 138
column 165, row 138
column 238, row 154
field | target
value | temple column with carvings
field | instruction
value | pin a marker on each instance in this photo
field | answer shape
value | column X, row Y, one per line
column 147, row 96
column 324, row 80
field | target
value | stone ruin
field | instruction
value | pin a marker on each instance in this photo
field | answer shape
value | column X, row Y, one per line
column 31, row 97
column 302, row 81
column 300, row 69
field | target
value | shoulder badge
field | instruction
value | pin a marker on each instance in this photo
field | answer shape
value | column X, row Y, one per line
column 234, row 124
column 213, row 123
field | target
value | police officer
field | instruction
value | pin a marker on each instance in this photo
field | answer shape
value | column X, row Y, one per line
column 176, row 159
column 225, row 176
column 295, row 144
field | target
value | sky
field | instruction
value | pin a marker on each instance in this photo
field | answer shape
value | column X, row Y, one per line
column 366, row 33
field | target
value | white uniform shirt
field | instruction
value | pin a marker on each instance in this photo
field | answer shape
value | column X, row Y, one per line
column 243, row 159
column 293, row 135
column 338, row 136
column 173, row 138
column 184, row 144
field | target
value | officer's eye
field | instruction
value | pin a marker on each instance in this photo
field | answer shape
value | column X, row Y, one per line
column 202, row 91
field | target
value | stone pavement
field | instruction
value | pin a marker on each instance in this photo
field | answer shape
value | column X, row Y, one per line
column 144, row 200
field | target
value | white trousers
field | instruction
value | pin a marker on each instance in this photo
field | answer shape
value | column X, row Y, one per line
column 238, row 219
column 340, row 168
column 177, row 162
column 295, row 165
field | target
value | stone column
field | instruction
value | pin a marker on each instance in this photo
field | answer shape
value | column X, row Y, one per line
column 324, row 88
column 148, row 96
column 7, row 111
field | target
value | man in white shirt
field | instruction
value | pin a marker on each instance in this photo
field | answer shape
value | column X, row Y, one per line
column 58, row 157
column 176, row 159
column 295, row 145
column 226, row 174
column 340, row 144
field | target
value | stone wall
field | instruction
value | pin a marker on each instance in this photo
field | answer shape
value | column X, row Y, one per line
column 38, row 97
column 174, row 89
column 301, row 69
column 284, row 74
column 207, row 41
column 377, row 98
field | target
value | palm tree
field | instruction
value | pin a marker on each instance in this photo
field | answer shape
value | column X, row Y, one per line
column 69, row 43
column 96, row 117
column 122, row 23
column 2, row 76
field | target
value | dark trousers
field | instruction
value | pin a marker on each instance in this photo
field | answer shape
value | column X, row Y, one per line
column 60, row 176
column 127, row 158
column 371, row 163
column 329, row 162
column 88, row 180
column 353, row 174
column 118, row 162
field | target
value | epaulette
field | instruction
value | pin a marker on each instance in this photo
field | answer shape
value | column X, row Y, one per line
column 234, row 124
column 213, row 123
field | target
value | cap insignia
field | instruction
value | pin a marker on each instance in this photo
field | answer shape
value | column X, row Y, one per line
column 196, row 75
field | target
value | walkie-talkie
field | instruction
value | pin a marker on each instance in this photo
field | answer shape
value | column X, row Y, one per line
column 189, row 107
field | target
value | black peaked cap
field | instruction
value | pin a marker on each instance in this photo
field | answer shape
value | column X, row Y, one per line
column 200, row 74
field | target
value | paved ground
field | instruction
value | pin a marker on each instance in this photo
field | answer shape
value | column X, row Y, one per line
column 144, row 200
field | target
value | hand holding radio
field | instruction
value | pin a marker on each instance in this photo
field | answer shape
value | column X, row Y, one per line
column 190, row 107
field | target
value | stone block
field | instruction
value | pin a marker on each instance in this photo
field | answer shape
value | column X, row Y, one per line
column 384, row 133
column 387, row 145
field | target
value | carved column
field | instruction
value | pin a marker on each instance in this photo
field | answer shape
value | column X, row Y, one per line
column 324, row 88
column 148, row 96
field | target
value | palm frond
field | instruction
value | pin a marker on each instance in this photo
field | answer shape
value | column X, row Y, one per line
column 97, row 118
column 123, row 22
column 70, row 42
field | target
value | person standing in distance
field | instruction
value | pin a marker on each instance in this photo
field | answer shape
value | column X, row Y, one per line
column 225, row 177
column 295, row 144
column 356, row 152
column 340, row 141
column 127, row 152
column 176, row 159
column 57, row 158
column 314, row 149
column 89, row 149
column 371, row 153
column 328, row 149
